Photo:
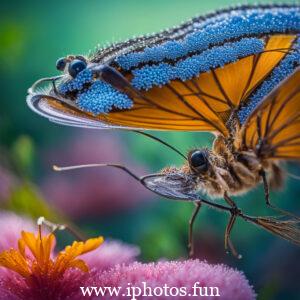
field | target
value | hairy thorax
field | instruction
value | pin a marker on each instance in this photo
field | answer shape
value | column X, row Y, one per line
column 234, row 171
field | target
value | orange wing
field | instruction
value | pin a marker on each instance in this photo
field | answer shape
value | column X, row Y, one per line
column 273, row 128
column 203, row 103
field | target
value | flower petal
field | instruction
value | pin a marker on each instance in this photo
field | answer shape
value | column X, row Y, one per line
column 92, row 244
column 13, row 260
column 66, row 258
column 79, row 264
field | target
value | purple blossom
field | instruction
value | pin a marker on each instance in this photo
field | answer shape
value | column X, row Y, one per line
column 15, row 287
column 114, row 265
column 232, row 284
column 111, row 253
column 11, row 225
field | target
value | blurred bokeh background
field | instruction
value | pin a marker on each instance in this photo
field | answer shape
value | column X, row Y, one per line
column 33, row 34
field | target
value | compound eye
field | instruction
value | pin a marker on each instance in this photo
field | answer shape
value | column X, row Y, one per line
column 76, row 66
column 60, row 64
column 199, row 161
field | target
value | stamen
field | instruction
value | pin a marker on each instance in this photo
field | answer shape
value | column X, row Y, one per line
column 55, row 227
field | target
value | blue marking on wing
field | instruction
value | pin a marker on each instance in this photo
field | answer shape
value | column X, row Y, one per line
column 77, row 83
column 163, row 73
column 99, row 97
column 282, row 71
column 218, row 30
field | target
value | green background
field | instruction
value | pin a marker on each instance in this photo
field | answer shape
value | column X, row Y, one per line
column 33, row 34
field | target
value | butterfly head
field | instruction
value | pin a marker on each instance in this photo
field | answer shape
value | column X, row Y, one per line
column 84, row 87
column 77, row 76
column 182, row 183
column 72, row 65
column 199, row 161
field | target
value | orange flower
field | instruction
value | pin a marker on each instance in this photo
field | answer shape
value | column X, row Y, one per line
column 40, row 265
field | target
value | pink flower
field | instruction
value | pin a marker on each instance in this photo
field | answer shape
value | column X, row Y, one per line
column 42, row 275
column 11, row 225
column 14, row 287
column 231, row 284
column 58, row 276
column 30, row 280
column 91, row 192
column 111, row 253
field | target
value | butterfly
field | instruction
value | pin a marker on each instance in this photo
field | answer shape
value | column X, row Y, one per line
column 234, row 73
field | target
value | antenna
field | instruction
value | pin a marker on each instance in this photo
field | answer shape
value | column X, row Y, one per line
column 161, row 141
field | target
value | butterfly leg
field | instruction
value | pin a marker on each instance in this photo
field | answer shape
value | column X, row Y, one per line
column 263, row 173
column 235, row 211
column 266, row 187
column 114, row 78
column 191, row 224
column 267, row 197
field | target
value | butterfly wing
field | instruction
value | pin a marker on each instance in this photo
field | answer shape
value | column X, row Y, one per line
column 202, row 103
column 191, row 78
column 273, row 128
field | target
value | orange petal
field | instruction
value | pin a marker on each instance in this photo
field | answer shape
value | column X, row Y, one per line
column 67, row 258
column 21, row 247
column 92, row 244
column 13, row 260
column 79, row 264
column 30, row 241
